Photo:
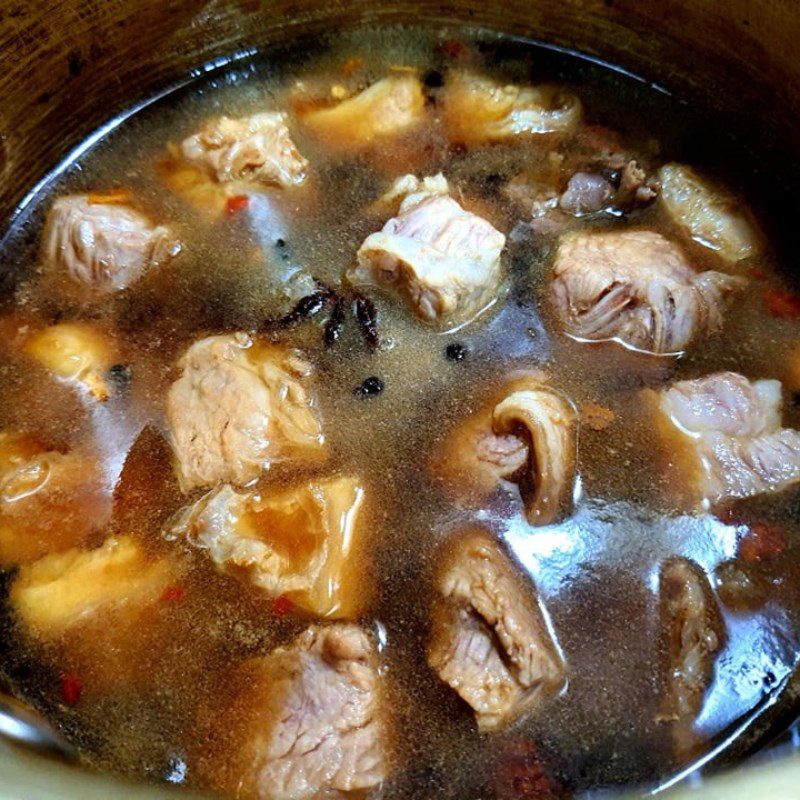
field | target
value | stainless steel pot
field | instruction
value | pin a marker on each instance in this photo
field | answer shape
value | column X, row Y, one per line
column 71, row 66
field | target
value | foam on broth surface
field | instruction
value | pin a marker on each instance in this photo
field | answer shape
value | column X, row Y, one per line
column 596, row 571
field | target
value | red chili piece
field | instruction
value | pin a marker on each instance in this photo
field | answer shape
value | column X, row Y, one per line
column 760, row 542
column 452, row 48
column 282, row 606
column 236, row 204
column 521, row 775
column 758, row 273
column 173, row 593
column 71, row 689
column 782, row 304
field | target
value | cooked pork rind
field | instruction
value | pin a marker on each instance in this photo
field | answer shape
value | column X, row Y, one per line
column 478, row 109
column 307, row 721
column 49, row 501
column 444, row 260
column 254, row 148
column 388, row 108
column 99, row 613
column 526, row 434
column 490, row 640
column 102, row 243
column 238, row 407
column 77, row 353
column 61, row 590
column 304, row 544
column 710, row 216
column 725, row 432
column 637, row 288
column 693, row 633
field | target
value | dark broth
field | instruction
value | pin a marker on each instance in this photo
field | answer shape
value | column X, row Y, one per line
column 596, row 572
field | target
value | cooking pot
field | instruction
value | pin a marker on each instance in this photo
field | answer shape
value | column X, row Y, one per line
column 72, row 68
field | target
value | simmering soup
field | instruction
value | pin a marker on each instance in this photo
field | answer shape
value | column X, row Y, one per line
column 401, row 414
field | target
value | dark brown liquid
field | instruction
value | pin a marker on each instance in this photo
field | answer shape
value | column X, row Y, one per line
column 596, row 572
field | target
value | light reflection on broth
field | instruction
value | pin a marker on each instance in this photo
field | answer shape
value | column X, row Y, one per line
column 597, row 571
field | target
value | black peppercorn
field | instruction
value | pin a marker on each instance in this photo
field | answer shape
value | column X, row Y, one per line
column 433, row 79
column 456, row 352
column 370, row 387
column 120, row 374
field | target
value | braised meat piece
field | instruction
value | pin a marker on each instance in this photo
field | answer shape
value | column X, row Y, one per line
column 727, row 431
column 386, row 109
column 238, row 407
column 49, row 501
column 637, row 288
column 478, row 109
column 77, row 353
column 489, row 638
column 303, row 544
column 693, row 633
column 710, row 216
column 443, row 259
column 62, row 589
column 586, row 193
column 526, row 434
column 255, row 148
column 307, row 721
column 104, row 245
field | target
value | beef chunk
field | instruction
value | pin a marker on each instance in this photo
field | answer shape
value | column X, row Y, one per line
column 693, row 633
column 525, row 434
column 77, row 353
column 586, row 193
column 635, row 188
column 238, row 407
column 61, row 589
column 489, row 639
column 711, row 217
column 49, row 501
column 637, row 288
column 727, row 431
column 307, row 722
column 104, row 246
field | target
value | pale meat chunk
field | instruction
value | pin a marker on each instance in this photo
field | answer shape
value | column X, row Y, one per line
column 444, row 260
column 304, row 544
column 77, row 353
column 727, row 432
column 637, row 288
column 525, row 434
column 693, row 633
column 489, row 639
column 307, row 721
column 103, row 612
column 104, row 246
column 386, row 109
column 478, row 109
column 254, row 148
column 711, row 217
column 49, row 501
column 63, row 589
column 238, row 407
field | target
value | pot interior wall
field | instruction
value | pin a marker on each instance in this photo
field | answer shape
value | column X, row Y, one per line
column 72, row 65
